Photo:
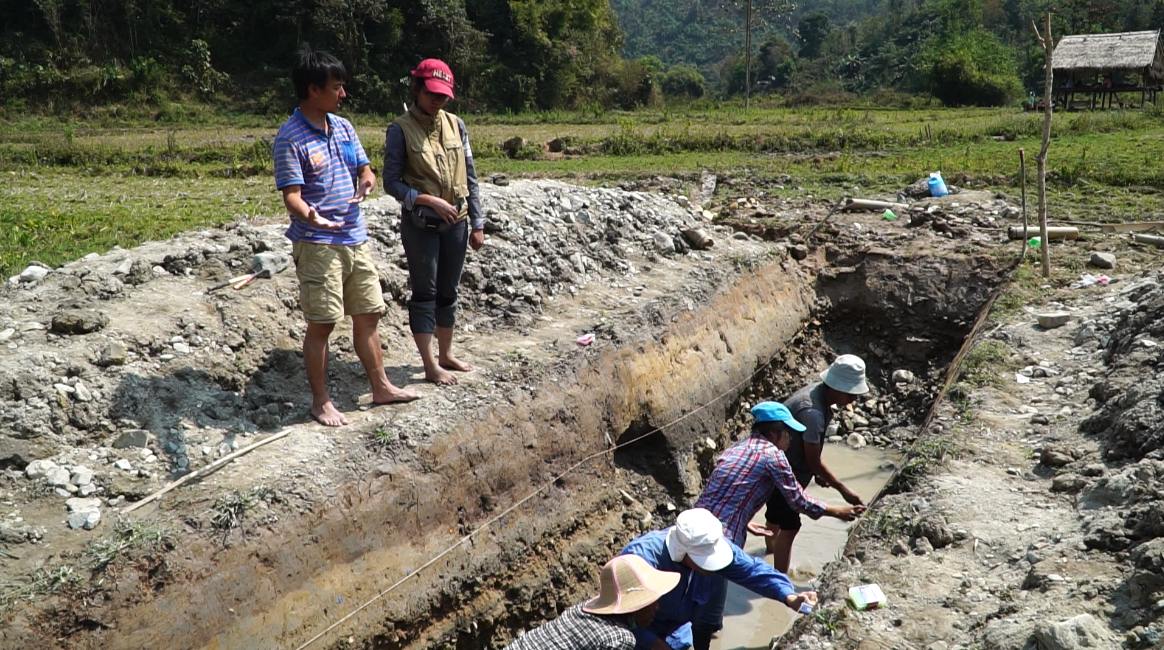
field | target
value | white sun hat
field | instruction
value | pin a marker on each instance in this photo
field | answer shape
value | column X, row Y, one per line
column 699, row 535
column 847, row 374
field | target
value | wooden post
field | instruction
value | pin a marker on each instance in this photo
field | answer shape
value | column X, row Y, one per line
column 1023, row 172
column 1048, row 44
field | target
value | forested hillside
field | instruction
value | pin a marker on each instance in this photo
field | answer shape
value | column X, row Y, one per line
column 64, row 55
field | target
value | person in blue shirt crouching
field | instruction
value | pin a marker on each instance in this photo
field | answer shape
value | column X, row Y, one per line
column 696, row 549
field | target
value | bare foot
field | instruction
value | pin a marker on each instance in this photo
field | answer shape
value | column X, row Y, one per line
column 328, row 415
column 394, row 395
column 439, row 375
column 452, row 363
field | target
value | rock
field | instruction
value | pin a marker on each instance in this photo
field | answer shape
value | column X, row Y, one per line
column 1055, row 457
column 78, row 322
column 1068, row 483
column 899, row 548
column 57, row 476
column 1103, row 260
column 1084, row 334
column 81, row 476
column 922, row 546
column 902, row 377
column 7, row 334
column 513, row 145
column 698, row 239
column 87, row 519
column 113, row 354
column 663, row 243
column 15, row 454
column 1051, row 320
column 123, row 464
column 39, row 469
column 33, row 273
column 78, row 504
column 798, row 252
column 181, row 348
column 1075, row 633
column 934, row 529
column 856, row 440
column 132, row 438
column 82, row 393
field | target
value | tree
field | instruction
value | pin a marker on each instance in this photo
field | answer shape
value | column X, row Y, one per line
column 970, row 69
column 811, row 31
column 684, row 81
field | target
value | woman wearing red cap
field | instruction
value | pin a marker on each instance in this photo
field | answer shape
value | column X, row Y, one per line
column 428, row 168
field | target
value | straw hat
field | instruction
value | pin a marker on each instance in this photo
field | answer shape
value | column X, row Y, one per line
column 628, row 585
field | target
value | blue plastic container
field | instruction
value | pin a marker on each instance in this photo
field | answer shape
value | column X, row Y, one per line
column 937, row 185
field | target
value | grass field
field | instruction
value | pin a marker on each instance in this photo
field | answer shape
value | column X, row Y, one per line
column 77, row 188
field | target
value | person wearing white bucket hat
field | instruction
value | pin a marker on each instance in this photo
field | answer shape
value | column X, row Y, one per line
column 812, row 406
column 696, row 549
column 629, row 594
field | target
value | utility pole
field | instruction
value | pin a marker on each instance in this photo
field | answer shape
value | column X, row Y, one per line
column 1048, row 44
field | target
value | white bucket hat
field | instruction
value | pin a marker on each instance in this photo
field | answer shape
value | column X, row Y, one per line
column 847, row 374
column 699, row 535
column 629, row 584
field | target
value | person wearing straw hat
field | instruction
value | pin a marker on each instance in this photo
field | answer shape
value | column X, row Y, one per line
column 696, row 549
column 746, row 476
column 811, row 406
column 628, row 597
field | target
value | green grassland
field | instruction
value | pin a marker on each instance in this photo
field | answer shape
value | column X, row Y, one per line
column 76, row 188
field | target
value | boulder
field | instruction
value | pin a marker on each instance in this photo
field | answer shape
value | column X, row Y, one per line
column 1103, row 260
column 113, row 354
column 1076, row 633
column 15, row 454
column 39, row 468
column 798, row 252
column 78, row 322
column 934, row 529
column 132, row 438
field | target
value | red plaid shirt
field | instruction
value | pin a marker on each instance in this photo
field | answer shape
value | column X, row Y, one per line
column 742, row 481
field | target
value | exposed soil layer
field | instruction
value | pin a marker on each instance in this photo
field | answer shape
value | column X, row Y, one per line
column 684, row 349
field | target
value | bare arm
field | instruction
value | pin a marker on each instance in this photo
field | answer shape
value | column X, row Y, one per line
column 301, row 211
column 812, row 454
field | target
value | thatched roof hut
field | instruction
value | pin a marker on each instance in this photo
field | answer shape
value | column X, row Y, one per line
column 1136, row 53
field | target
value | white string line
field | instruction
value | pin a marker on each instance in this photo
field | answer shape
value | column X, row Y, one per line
column 531, row 495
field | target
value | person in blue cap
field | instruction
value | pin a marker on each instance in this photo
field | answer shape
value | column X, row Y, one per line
column 744, row 478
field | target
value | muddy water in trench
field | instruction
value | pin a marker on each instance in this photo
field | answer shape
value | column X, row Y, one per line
column 750, row 621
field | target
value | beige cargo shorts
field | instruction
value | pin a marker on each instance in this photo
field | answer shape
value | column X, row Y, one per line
column 336, row 281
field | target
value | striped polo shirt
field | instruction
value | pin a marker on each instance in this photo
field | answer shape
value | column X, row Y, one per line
column 325, row 168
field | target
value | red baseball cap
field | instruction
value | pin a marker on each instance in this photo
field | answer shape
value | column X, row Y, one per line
column 437, row 76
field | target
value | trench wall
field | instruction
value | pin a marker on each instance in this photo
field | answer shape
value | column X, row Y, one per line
column 280, row 590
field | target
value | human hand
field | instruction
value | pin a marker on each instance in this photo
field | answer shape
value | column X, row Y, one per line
column 477, row 239
column 362, row 191
column 850, row 496
column 443, row 209
column 316, row 220
column 759, row 529
column 845, row 513
column 794, row 601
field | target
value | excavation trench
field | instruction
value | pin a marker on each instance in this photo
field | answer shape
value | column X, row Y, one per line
column 677, row 398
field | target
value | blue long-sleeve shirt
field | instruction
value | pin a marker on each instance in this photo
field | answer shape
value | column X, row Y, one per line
column 681, row 605
column 394, row 154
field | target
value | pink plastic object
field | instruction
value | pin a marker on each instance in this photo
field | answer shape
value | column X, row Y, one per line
column 586, row 339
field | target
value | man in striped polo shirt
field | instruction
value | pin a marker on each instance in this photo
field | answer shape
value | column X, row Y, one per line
column 324, row 174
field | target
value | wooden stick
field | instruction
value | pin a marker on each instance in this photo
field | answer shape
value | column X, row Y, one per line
column 1023, row 172
column 206, row 470
column 1048, row 44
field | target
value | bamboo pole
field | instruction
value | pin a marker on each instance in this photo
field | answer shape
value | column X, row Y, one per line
column 1048, row 44
column 205, row 470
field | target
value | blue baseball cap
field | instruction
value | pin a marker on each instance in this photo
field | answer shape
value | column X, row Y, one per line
column 776, row 412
